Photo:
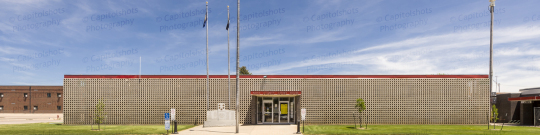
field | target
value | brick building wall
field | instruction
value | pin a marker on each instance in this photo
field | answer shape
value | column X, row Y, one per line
column 45, row 98
column 329, row 99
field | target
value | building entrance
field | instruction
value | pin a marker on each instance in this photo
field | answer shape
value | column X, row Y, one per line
column 275, row 107
column 275, row 110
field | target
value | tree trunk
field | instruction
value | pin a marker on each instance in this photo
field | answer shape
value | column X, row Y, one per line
column 354, row 120
column 98, row 126
column 360, row 117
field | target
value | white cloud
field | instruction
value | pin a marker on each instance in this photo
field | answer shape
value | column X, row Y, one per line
column 13, row 50
column 430, row 55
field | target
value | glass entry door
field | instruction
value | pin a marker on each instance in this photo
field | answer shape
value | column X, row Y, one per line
column 284, row 111
column 275, row 110
column 267, row 111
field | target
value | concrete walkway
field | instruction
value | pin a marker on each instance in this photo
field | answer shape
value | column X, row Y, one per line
column 498, row 125
column 244, row 130
column 23, row 118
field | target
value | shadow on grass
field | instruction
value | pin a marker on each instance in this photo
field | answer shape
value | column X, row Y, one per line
column 358, row 128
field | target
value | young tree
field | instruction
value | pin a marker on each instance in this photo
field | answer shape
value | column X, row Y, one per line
column 361, row 106
column 244, row 71
column 99, row 113
column 494, row 115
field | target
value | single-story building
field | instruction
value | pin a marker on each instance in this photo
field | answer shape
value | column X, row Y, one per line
column 528, row 104
column 271, row 99
column 31, row 99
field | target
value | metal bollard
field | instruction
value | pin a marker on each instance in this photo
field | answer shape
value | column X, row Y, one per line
column 175, row 131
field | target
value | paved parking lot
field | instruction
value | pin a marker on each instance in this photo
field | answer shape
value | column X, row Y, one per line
column 244, row 130
column 23, row 118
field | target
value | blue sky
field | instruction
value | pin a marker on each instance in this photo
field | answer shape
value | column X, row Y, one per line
column 40, row 41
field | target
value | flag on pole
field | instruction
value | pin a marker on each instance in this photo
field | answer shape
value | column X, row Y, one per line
column 228, row 20
column 205, row 17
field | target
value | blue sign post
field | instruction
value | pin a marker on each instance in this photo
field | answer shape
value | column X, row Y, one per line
column 167, row 122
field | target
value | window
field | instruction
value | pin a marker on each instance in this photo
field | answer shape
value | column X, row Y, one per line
column 25, row 95
column 35, row 108
column 58, row 107
column 25, row 107
column 48, row 95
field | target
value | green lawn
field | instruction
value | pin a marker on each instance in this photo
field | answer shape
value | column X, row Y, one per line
column 44, row 128
column 419, row 129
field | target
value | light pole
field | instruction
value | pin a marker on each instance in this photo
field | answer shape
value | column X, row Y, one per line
column 491, row 10
column 496, row 82
column 499, row 87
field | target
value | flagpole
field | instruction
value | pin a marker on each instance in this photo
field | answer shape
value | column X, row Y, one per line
column 491, row 10
column 229, row 55
column 237, row 64
column 207, row 75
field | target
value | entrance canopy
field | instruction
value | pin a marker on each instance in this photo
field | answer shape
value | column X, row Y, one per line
column 276, row 93
column 534, row 98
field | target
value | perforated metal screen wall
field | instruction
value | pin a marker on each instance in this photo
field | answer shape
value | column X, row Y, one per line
column 327, row 100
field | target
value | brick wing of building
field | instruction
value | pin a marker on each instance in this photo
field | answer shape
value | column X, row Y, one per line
column 31, row 99
column 328, row 99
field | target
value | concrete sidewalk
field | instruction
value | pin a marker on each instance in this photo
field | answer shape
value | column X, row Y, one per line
column 244, row 130
column 23, row 118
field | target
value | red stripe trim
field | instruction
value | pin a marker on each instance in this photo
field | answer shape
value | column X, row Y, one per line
column 524, row 98
column 276, row 92
column 277, row 76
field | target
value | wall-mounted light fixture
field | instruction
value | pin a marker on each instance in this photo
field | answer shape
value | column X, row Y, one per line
column 1, row 95
column 25, row 95
column 59, row 94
